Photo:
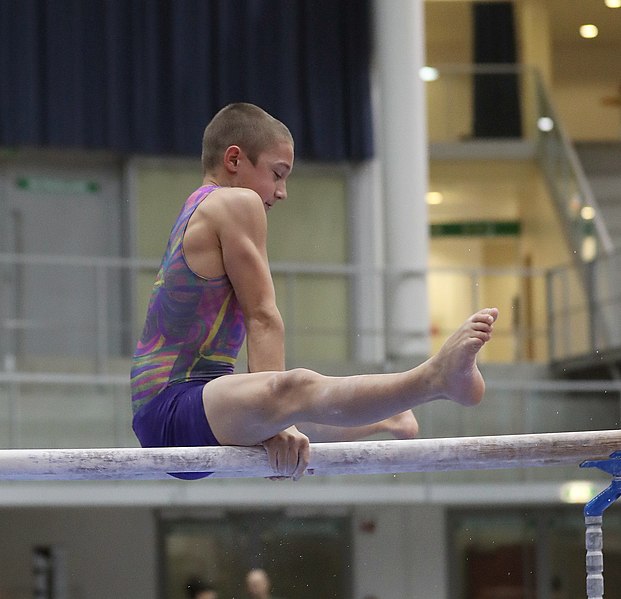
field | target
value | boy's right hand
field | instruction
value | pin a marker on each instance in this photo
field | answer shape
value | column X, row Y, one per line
column 288, row 453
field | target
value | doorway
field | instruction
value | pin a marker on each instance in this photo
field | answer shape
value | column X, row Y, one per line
column 62, row 303
column 305, row 556
column 527, row 554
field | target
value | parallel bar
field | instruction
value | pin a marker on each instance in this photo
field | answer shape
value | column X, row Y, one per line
column 364, row 457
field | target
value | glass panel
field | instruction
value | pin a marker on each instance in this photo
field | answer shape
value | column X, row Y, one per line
column 584, row 305
column 305, row 557
column 567, row 183
column 511, row 409
column 65, row 414
column 160, row 187
column 62, row 413
column 496, row 556
column 520, row 335
column 606, row 292
column 311, row 226
column 315, row 309
column 531, row 554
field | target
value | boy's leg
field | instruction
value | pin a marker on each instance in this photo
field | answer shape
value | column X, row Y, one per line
column 247, row 409
column 400, row 426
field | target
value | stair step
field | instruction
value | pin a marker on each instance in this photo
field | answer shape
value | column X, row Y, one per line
column 600, row 157
column 605, row 185
column 611, row 203
column 601, row 162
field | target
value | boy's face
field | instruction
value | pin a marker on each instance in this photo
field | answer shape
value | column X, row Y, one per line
column 269, row 176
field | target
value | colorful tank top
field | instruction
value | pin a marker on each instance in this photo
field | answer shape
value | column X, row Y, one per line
column 194, row 327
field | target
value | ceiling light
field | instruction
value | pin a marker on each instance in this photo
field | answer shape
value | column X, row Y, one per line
column 428, row 74
column 588, row 249
column 434, row 198
column 545, row 124
column 589, row 31
column 577, row 491
column 613, row 3
column 587, row 212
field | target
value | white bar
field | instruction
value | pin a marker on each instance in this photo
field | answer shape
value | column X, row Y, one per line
column 365, row 457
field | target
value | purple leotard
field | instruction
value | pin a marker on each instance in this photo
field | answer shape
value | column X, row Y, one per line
column 193, row 332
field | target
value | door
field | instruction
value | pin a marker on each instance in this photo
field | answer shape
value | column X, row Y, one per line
column 61, row 305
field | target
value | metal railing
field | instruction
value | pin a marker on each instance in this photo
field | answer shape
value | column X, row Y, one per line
column 547, row 315
column 584, row 309
column 63, row 411
column 584, row 223
column 52, row 398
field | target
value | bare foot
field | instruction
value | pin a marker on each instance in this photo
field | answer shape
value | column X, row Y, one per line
column 402, row 426
column 457, row 376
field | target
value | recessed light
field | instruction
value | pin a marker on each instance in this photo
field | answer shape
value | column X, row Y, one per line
column 434, row 198
column 428, row 74
column 588, row 249
column 613, row 3
column 587, row 212
column 589, row 31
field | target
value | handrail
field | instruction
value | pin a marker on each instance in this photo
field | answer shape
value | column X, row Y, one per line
column 570, row 153
column 565, row 306
column 72, row 260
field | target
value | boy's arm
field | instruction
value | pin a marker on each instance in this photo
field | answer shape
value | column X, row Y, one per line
column 242, row 233
column 243, row 239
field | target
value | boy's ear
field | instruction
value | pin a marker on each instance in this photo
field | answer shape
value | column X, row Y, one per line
column 231, row 158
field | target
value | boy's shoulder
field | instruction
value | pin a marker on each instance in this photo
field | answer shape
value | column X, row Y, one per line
column 231, row 208
column 232, row 201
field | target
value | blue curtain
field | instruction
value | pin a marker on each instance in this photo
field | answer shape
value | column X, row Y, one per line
column 145, row 76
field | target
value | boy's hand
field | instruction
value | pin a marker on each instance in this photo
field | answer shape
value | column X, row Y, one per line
column 288, row 453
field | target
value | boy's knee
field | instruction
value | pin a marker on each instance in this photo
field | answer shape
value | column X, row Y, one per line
column 290, row 389
column 290, row 395
column 294, row 381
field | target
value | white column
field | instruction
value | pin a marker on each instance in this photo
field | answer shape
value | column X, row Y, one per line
column 402, row 147
column 367, row 251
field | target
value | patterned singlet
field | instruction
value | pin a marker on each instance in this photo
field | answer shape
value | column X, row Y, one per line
column 194, row 327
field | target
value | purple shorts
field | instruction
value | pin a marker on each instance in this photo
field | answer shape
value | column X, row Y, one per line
column 176, row 418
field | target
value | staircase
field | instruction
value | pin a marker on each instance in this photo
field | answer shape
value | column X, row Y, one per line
column 601, row 162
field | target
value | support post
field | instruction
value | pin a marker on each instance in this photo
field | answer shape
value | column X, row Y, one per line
column 402, row 139
column 593, row 519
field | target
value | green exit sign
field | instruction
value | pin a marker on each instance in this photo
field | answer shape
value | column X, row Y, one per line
column 57, row 185
column 481, row 228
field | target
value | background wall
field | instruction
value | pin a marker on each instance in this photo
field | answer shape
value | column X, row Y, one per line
column 399, row 551
column 109, row 552
column 581, row 81
column 491, row 191
column 309, row 228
